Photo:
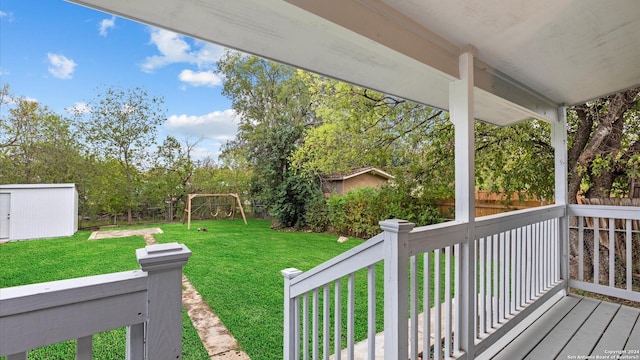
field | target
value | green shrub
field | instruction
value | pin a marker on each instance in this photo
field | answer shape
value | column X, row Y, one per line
column 337, row 218
column 358, row 212
column 317, row 215
column 288, row 201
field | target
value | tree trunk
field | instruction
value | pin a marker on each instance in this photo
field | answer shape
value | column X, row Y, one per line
column 607, row 117
column 596, row 154
column 601, row 186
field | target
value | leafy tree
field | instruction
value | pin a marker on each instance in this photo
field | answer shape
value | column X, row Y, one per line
column 106, row 189
column 515, row 159
column 274, row 108
column 121, row 125
column 604, row 145
column 603, row 154
column 169, row 178
column 8, row 129
column 361, row 127
column 38, row 146
column 222, row 177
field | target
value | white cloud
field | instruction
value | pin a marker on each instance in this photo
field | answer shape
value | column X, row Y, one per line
column 14, row 100
column 215, row 128
column 207, row 150
column 105, row 25
column 60, row 66
column 79, row 107
column 217, row 125
column 6, row 15
column 200, row 78
column 175, row 48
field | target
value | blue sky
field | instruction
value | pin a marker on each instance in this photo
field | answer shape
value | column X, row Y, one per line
column 61, row 54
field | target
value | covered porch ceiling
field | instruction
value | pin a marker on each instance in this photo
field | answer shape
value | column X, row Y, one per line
column 530, row 56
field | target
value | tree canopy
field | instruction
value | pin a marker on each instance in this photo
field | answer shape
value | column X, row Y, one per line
column 274, row 107
column 604, row 145
column 121, row 124
column 292, row 119
column 361, row 127
column 36, row 145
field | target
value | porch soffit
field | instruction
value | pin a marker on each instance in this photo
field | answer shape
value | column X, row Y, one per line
column 532, row 56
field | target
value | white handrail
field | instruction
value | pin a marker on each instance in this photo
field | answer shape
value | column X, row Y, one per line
column 147, row 302
column 494, row 224
column 40, row 296
column 605, row 211
column 359, row 257
column 437, row 236
column 54, row 315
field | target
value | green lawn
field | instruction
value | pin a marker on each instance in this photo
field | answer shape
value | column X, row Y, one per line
column 235, row 267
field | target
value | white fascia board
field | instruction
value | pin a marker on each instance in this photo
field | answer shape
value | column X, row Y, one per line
column 384, row 25
column 372, row 170
column 509, row 90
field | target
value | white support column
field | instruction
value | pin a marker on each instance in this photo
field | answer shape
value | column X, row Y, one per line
column 290, row 315
column 396, row 288
column 461, row 113
column 559, row 143
column 163, row 263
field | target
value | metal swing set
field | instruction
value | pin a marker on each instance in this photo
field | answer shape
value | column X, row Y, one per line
column 219, row 210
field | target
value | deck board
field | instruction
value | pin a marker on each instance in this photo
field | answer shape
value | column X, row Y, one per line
column 614, row 337
column 575, row 328
column 529, row 338
column 589, row 333
column 562, row 333
column 633, row 343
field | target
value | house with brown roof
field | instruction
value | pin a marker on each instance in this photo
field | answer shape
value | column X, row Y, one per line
column 356, row 178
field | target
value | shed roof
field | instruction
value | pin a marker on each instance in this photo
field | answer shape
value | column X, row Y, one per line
column 531, row 56
column 36, row 186
column 359, row 171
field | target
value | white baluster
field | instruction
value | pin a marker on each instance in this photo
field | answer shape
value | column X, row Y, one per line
column 291, row 342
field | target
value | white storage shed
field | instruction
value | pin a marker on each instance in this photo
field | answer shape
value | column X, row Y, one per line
column 34, row 211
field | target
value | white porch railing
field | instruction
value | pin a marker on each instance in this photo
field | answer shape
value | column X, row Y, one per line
column 148, row 302
column 521, row 259
column 607, row 240
column 519, row 267
column 516, row 257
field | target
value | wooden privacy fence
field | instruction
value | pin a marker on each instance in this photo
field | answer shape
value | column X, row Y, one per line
column 488, row 203
column 147, row 302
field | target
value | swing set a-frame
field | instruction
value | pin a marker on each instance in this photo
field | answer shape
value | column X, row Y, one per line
column 231, row 213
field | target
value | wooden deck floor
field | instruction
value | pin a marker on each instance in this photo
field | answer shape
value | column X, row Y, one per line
column 578, row 328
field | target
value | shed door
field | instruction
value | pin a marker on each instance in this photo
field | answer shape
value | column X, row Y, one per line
column 5, row 206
